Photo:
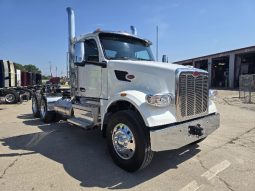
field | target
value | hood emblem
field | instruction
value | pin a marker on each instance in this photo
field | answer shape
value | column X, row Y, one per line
column 195, row 74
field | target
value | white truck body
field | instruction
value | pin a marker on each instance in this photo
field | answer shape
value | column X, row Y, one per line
column 169, row 103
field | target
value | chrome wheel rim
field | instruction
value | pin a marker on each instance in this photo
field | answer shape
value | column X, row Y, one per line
column 123, row 141
column 43, row 109
column 9, row 98
column 34, row 107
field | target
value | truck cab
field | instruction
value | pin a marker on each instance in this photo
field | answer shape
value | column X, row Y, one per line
column 141, row 105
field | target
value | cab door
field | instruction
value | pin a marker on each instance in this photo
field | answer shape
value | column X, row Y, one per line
column 90, row 74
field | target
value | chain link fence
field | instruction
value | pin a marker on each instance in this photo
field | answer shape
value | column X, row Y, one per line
column 247, row 88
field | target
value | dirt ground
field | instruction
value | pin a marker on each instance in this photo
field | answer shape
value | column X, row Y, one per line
column 60, row 156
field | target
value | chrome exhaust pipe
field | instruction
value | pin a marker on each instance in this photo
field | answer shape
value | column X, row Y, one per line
column 71, row 36
column 71, row 24
column 133, row 30
column 71, row 42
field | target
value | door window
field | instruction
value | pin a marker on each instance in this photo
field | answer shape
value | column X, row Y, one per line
column 91, row 51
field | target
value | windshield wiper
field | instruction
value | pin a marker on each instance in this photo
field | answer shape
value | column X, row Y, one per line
column 121, row 58
column 143, row 59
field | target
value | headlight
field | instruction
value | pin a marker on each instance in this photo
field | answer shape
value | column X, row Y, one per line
column 160, row 100
column 213, row 94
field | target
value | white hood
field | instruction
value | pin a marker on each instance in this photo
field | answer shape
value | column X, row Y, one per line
column 150, row 77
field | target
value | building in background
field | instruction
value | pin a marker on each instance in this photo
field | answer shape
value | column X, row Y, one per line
column 225, row 68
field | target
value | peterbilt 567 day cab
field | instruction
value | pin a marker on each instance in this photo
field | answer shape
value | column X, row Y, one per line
column 140, row 105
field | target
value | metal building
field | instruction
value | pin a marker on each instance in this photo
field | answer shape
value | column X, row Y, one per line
column 225, row 68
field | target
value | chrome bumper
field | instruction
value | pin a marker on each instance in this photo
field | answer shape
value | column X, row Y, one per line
column 174, row 137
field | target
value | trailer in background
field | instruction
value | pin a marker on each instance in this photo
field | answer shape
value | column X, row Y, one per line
column 18, row 77
column 5, row 82
column 12, row 74
column 16, row 85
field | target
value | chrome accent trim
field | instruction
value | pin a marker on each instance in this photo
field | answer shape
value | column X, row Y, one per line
column 43, row 108
column 123, row 141
column 174, row 137
column 179, row 115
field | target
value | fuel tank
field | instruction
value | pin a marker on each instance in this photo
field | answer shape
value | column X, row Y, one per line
column 64, row 108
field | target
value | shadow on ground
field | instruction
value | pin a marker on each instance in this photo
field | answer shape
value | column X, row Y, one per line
column 85, row 157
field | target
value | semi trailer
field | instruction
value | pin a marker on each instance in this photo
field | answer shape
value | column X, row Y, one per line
column 140, row 105
column 16, row 85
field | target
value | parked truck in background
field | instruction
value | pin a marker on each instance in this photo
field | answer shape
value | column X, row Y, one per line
column 140, row 105
column 16, row 85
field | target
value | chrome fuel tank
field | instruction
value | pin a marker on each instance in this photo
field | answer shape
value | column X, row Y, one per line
column 64, row 107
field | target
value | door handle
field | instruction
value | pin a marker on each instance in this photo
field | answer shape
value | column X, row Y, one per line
column 82, row 89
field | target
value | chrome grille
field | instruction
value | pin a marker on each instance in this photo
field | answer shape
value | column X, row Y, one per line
column 192, row 95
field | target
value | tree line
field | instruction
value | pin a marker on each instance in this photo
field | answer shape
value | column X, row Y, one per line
column 28, row 68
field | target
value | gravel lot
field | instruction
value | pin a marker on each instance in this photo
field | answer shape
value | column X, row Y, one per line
column 60, row 156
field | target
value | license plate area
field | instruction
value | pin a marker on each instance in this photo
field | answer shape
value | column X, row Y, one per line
column 196, row 130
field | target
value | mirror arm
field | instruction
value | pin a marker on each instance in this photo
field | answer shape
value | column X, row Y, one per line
column 83, row 63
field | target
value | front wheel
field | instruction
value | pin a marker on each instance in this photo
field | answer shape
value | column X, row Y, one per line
column 129, row 141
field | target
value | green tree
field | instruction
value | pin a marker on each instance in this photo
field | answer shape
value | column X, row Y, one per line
column 45, row 77
column 32, row 68
column 20, row 67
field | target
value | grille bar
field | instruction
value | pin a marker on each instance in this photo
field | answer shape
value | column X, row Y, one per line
column 192, row 95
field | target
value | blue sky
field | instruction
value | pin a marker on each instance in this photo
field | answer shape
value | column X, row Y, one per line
column 35, row 31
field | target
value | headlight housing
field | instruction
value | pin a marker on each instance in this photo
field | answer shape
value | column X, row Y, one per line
column 213, row 94
column 160, row 100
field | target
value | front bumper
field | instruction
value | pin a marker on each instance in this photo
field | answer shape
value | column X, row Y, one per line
column 176, row 136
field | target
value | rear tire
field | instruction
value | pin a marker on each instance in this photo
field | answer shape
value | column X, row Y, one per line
column 35, row 107
column 11, row 97
column 45, row 115
column 129, row 141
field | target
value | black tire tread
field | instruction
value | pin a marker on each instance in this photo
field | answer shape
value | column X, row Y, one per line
column 148, row 155
column 14, row 93
column 36, row 114
column 49, row 116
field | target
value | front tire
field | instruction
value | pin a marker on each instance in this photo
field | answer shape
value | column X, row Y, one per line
column 45, row 115
column 129, row 141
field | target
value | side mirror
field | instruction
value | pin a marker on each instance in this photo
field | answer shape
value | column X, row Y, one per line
column 79, row 54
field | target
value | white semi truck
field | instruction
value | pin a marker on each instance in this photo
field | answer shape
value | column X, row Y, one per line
column 140, row 105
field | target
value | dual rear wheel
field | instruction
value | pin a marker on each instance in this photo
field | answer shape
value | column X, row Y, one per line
column 40, row 110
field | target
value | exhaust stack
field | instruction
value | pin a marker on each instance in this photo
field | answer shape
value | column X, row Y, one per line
column 71, row 24
column 71, row 36
column 71, row 41
column 133, row 30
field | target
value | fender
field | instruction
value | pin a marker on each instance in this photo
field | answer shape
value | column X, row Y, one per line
column 152, row 116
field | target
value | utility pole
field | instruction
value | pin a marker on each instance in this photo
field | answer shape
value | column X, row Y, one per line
column 67, row 64
column 157, row 43
column 56, row 71
column 50, row 69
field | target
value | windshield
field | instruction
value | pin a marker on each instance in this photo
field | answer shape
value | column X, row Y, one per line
column 121, row 47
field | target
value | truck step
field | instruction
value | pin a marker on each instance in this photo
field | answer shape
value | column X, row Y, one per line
column 86, row 106
column 81, row 122
column 88, row 111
